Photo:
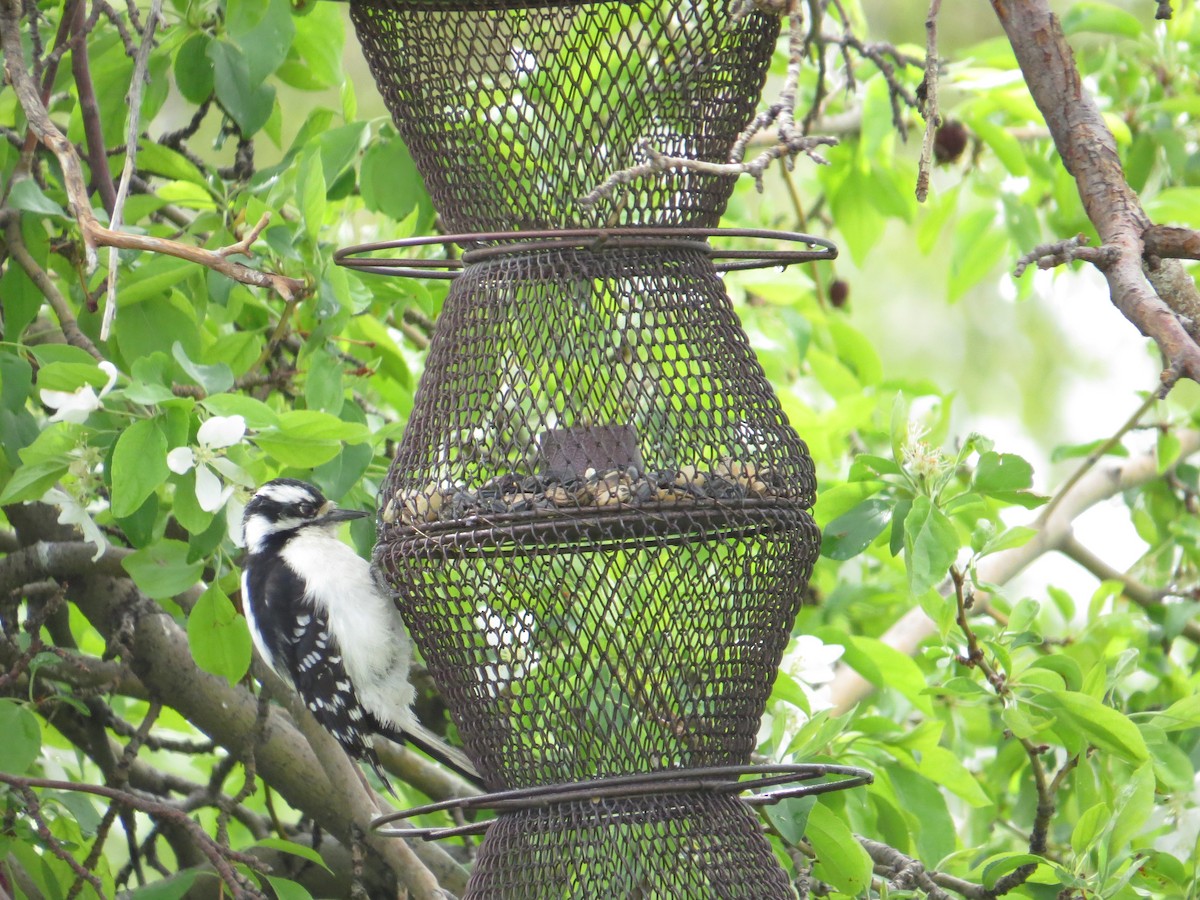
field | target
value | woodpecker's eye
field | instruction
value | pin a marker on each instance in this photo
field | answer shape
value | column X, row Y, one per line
column 308, row 510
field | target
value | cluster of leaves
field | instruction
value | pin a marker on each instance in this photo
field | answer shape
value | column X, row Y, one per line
column 208, row 387
column 1087, row 703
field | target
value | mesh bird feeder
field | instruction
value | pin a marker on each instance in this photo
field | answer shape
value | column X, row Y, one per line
column 597, row 522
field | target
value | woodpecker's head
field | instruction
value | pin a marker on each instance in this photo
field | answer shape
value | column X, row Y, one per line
column 285, row 507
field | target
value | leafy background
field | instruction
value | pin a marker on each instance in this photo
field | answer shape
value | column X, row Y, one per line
column 1032, row 735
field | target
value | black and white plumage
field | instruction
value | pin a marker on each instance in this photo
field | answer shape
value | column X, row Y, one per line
column 322, row 622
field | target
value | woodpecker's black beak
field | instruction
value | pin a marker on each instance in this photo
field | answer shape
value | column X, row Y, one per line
column 339, row 515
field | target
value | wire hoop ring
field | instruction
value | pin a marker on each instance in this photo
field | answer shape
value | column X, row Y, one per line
column 713, row 779
column 506, row 243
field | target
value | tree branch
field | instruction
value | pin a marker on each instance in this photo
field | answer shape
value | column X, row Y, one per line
column 929, row 106
column 134, row 100
column 160, row 658
column 94, row 234
column 1089, row 153
column 62, row 309
column 1136, row 591
column 89, row 109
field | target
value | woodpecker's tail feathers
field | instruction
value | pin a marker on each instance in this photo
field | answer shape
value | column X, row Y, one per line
column 373, row 760
column 424, row 739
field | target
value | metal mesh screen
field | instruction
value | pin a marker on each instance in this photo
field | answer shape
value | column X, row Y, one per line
column 597, row 519
column 647, row 848
column 512, row 111
column 597, row 523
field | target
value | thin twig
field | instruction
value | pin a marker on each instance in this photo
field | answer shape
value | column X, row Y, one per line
column 975, row 658
column 118, row 23
column 89, row 112
column 58, row 303
column 1059, row 253
column 219, row 857
column 929, row 108
column 242, row 247
column 34, row 808
column 1098, row 453
column 1141, row 594
column 134, row 101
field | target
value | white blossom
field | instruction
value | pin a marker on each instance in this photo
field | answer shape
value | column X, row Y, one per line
column 72, row 512
column 75, row 406
column 215, row 434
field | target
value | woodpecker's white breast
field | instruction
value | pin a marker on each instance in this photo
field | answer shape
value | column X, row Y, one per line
column 370, row 632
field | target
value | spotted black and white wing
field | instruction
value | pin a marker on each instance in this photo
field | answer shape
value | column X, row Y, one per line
column 295, row 640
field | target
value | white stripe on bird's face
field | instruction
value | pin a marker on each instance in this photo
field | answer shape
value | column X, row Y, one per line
column 287, row 494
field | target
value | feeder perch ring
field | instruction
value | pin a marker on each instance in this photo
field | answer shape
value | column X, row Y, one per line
column 505, row 243
column 711, row 779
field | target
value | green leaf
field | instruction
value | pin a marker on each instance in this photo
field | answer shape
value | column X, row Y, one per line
column 943, row 766
column 790, row 817
column 883, row 666
column 1176, row 206
column 307, row 438
column 215, row 379
column 1005, row 863
column 1089, row 827
column 256, row 413
column 22, row 737
column 194, row 69
column 81, row 807
column 1001, row 142
column 1133, row 807
column 139, row 466
column 853, row 532
column 310, row 183
column 1101, row 18
column 140, row 328
column 1002, row 472
column 388, row 179
column 1181, row 715
column 33, row 479
column 219, row 637
column 294, row 849
column 1101, row 725
column 928, row 814
column 172, row 888
column 1075, row 451
column 1168, row 449
column 287, row 890
column 162, row 160
column 318, row 42
column 139, row 527
column 25, row 194
column 344, row 471
column 786, row 688
column 186, row 506
column 162, row 570
column 1010, row 538
column 841, row 860
column 930, row 545
column 248, row 102
column 263, row 30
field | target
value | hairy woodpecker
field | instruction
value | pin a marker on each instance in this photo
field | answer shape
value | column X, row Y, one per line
column 321, row 620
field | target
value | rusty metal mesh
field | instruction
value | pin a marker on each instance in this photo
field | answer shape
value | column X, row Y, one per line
column 513, row 111
column 661, row 848
column 597, row 520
